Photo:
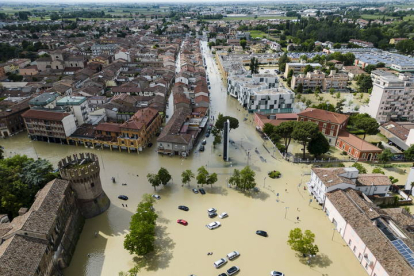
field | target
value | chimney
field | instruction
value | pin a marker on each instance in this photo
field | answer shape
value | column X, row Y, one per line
column 23, row 211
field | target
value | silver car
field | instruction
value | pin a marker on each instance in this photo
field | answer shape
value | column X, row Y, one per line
column 220, row 263
column 213, row 225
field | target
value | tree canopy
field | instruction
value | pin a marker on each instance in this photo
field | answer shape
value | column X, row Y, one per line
column 186, row 176
column 234, row 123
column 140, row 240
column 202, row 176
column 302, row 242
column 244, row 179
column 20, row 179
column 304, row 132
column 365, row 123
column 319, row 145
column 385, row 156
column 361, row 169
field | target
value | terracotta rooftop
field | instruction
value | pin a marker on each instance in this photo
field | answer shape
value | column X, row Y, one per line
column 45, row 115
column 396, row 129
column 323, row 115
column 376, row 179
column 332, row 176
column 361, row 216
column 110, row 127
column 356, row 142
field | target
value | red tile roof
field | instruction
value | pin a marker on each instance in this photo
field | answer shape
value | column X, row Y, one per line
column 45, row 115
column 356, row 142
column 111, row 127
column 323, row 115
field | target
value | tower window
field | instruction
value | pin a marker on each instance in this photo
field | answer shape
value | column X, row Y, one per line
column 92, row 184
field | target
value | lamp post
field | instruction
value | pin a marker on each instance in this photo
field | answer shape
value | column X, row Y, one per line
column 286, row 209
column 264, row 181
column 333, row 234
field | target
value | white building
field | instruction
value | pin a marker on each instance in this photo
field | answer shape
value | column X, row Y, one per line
column 78, row 107
column 392, row 97
column 325, row 180
column 261, row 92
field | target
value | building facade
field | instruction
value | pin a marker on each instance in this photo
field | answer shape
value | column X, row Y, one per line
column 392, row 97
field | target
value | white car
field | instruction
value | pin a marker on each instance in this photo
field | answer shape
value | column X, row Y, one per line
column 220, row 262
column 156, row 196
column 213, row 225
column 276, row 273
column 223, row 215
column 233, row 255
column 212, row 210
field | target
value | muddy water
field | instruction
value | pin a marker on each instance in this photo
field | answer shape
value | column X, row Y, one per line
column 182, row 250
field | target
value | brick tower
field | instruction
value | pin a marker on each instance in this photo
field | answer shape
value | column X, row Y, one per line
column 82, row 170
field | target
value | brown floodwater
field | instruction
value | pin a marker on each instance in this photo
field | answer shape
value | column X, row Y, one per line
column 182, row 250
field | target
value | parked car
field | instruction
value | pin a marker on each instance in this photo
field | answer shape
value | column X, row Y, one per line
column 182, row 222
column 212, row 210
column 220, row 262
column 233, row 255
column 123, row 197
column 261, row 233
column 156, row 197
column 276, row 273
column 212, row 215
column 207, row 134
column 195, row 190
column 213, row 225
column 233, row 270
column 201, row 148
column 149, row 145
column 223, row 215
column 202, row 191
column 204, row 142
column 222, row 274
column 184, row 208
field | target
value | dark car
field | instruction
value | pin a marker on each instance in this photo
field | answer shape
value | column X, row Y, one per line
column 261, row 233
column 204, row 142
column 207, row 134
column 150, row 145
column 232, row 270
column 123, row 197
column 212, row 215
column 201, row 148
column 184, row 208
column 202, row 191
column 195, row 191
column 223, row 274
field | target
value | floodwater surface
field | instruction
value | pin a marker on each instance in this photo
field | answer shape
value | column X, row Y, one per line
column 281, row 205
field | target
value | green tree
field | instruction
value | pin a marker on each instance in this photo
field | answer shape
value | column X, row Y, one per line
column 364, row 82
column 393, row 179
column 234, row 123
column 235, row 179
column 211, row 179
column 338, row 95
column 217, row 140
column 378, row 170
column 282, row 62
column 385, row 156
column 339, row 106
column 299, row 89
column 409, row 153
column 308, row 102
column 243, row 43
column 365, row 123
column 303, row 242
column 202, row 176
column 164, row 176
column 304, row 132
column 331, row 91
column 285, row 130
column 254, row 65
column 141, row 237
column 247, row 178
column 1, row 153
column 361, row 169
column 154, row 179
column 308, row 68
column 290, row 73
column 186, row 176
column 318, row 145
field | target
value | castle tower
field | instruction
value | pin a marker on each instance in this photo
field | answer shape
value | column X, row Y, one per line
column 82, row 170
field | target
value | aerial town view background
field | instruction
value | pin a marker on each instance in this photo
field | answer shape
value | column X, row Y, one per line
column 207, row 139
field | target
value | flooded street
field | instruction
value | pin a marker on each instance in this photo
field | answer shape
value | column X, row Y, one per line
column 182, row 250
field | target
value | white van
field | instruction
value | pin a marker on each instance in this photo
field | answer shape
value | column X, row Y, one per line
column 220, row 262
column 233, row 255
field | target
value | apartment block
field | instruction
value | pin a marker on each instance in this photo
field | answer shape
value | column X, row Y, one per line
column 392, row 97
column 298, row 67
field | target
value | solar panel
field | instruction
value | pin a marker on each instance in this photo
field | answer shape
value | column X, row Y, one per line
column 404, row 250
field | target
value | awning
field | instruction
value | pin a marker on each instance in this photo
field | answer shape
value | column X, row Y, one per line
column 397, row 141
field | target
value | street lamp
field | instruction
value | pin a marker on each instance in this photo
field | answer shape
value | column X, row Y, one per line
column 333, row 234
column 286, row 209
column 264, row 181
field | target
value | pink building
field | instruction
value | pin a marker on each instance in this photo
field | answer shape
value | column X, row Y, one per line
column 375, row 236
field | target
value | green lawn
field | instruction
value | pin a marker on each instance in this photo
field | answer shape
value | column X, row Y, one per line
column 376, row 16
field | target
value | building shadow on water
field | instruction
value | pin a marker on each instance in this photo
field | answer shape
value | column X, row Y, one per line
column 320, row 260
column 162, row 255
column 89, row 256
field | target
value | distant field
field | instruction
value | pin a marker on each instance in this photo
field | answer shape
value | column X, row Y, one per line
column 376, row 16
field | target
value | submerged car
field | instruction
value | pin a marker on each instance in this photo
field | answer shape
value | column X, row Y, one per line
column 213, row 225
column 184, row 208
column 220, row 262
column 195, row 191
column 182, row 222
column 233, row 270
column 276, row 273
column 156, row 197
column 123, row 197
column 261, row 233
column 223, row 215
column 233, row 255
column 202, row 191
